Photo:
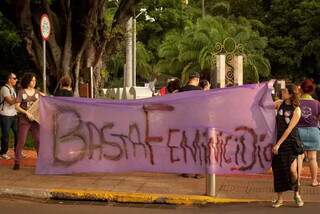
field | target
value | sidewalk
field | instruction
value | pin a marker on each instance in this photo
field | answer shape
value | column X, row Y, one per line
column 141, row 187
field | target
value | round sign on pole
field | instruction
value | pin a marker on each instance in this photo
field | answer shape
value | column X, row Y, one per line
column 45, row 26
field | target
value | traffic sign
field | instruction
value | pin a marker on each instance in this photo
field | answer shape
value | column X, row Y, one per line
column 45, row 26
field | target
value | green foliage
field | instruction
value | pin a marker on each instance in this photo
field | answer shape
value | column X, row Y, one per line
column 278, row 36
column 144, row 68
column 309, row 35
column 195, row 48
column 110, row 12
column 12, row 53
column 115, row 69
column 8, row 36
column 292, row 27
column 169, row 15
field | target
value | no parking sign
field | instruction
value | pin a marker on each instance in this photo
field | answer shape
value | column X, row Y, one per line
column 45, row 26
column 45, row 29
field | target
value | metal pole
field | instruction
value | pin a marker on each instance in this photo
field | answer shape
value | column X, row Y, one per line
column 44, row 68
column 211, row 178
column 134, row 52
column 211, row 185
column 220, row 78
column 91, row 82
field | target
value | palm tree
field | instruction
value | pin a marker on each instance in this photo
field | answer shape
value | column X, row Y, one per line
column 195, row 48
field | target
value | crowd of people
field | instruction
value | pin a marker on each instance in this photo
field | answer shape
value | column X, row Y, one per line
column 298, row 133
column 298, row 138
column 14, row 114
column 297, row 125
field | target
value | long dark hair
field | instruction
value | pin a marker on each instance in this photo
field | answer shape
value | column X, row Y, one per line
column 293, row 90
column 26, row 79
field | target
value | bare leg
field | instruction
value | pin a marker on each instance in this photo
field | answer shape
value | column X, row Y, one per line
column 294, row 174
column 300, row 165
column 294, row 179
column 312, row 156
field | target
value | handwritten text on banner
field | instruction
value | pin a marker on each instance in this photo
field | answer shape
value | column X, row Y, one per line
column 219, row 131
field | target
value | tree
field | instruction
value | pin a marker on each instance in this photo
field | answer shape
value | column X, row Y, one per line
column 292, row 29
column 283, row 49
column 308, row 14
column 12, row 54
column 169, row 15
column 194, row 48
column 79, row 36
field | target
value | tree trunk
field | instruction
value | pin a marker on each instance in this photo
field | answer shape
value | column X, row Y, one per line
column 78, row 35
column 128, row 74
column 67, row 49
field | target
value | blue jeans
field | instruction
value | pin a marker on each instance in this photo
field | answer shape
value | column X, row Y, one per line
column 7, row 123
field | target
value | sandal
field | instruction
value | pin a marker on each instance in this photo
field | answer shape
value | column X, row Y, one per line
column 316, row 185
column 277, row 204
column 298, row 201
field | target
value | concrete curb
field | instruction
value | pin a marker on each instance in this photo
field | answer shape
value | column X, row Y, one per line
column 120, row 197
column 25, row 192
column 125, row 197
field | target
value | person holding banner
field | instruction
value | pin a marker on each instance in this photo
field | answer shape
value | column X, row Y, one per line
column 288, row 147
column 26, row 97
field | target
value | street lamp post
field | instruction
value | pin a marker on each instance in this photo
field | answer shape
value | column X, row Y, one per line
column 134, row 42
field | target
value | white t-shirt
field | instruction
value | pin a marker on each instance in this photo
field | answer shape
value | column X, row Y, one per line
column 5, row 108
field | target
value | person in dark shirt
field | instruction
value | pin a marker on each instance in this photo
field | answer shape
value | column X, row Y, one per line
column 288, row 146
column 193, row 83
column 65, row 87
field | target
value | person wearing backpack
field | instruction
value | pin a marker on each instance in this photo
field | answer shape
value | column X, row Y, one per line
column 8, row 114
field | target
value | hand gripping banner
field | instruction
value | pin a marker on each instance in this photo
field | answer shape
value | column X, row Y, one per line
column 220, row 131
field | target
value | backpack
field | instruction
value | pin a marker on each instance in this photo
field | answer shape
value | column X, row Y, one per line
column 2, row 98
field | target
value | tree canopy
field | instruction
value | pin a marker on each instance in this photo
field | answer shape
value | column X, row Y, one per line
column 194, row 49
column 79, row 34
column 279, row 38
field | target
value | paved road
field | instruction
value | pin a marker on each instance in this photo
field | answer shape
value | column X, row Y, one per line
column 18, row 206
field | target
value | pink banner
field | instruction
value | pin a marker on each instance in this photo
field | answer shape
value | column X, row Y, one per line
column 219, row 131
